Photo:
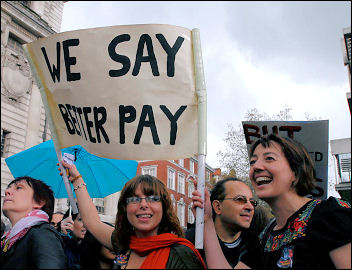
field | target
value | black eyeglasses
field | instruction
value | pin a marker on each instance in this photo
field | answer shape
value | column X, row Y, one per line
column 242, row 200
column 137, row 200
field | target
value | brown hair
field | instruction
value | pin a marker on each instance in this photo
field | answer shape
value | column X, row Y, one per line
column 298, row 158
column 150, row 185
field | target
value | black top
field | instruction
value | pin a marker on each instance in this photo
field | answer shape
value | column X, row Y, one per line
column 91, row 253
column 182, row 257
column 84, row 254
column 232, row 251
column 317, row 228
column 72, row 250
column 40, row 248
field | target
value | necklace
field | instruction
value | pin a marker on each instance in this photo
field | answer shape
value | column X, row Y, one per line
column 122, row 259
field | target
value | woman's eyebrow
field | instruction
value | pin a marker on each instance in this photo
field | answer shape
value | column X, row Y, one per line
column 13, row 184
column 269, row 153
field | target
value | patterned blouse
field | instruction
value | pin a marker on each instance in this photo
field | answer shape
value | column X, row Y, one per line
column 307, row 238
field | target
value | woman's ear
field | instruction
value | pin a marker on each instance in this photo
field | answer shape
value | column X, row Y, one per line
column 38, row 205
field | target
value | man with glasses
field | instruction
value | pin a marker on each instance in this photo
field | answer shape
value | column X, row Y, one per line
column 233, row 210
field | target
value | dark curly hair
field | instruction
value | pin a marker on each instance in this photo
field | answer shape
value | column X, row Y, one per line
column 150, row 185
column 298, row 158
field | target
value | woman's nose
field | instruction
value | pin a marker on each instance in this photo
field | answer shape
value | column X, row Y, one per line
column 256, row 167
column 143, row 203
column 258, row 164
column 8, row 191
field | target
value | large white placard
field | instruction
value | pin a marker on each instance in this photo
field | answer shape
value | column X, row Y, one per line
column 123, row 92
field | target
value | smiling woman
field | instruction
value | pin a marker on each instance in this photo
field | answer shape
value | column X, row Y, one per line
column 306, row 233
column 147, row 232
column 147, row 223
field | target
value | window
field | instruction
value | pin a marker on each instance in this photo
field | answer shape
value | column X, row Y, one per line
column 344, row 166
column 151, row 170
column 208, row 176
column 191, row 165
column 15, row 44
column 190, row 215
column 99, row 204
column 4, row 142
column 190, row 188
column 181, row 212
column 171, row 173
column 181, row 162
column 181, row 183
column 173, row 201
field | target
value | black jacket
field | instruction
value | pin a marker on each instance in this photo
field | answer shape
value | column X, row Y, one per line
column 232, row 255
column 182, row 257
column 41, row 248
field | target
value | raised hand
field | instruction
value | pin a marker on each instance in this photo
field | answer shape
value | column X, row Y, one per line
column 198, row 202
column 66, row 224
column 73, row 172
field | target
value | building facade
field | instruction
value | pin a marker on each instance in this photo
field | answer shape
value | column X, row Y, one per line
column 178, row 176
column 341, row 148
column 23, row 121
column 22, row 112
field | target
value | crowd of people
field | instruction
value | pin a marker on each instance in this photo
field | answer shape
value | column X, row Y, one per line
column 238, row 233
column 305, row 233
column 83, row 251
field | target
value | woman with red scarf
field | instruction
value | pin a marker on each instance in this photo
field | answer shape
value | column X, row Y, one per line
column 147, row 232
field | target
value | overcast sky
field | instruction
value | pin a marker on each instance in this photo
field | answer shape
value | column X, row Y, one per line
column 256, row 55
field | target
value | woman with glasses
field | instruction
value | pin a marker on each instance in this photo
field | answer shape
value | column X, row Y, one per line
column 306, row 233
column 147, row 232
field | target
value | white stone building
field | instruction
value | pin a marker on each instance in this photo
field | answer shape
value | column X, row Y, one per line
column 341, row 148
column 23, row 121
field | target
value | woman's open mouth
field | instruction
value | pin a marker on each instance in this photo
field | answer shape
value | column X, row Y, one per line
column 263, row 180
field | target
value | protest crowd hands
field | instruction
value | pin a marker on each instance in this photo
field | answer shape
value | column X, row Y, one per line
column 66, row 224
column 73, row 172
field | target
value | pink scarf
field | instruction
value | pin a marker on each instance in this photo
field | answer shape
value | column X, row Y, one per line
column 22, row 227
